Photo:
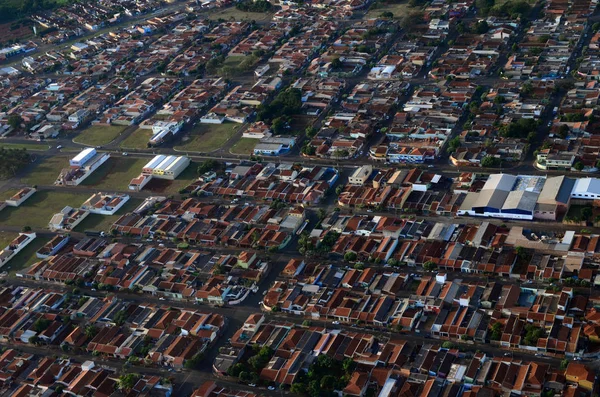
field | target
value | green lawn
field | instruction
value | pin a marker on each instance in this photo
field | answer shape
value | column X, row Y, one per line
column 209, row 137
column 39, row 208
column 137, row 140
column 26, row 257
column 28, row 146
column 46, row 172
column 115, row 174
column 97, row 135
column 104, row 222
column 5, row 195
column 244, row 146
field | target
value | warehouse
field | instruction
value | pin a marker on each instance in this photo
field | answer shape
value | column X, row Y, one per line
column 586, row 189
column 82, row 157
column 166, row 167
column 505, row 196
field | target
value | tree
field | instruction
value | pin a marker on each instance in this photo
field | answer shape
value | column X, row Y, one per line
column 481, row 27
column 429, row 266
column 564, row 364
column 127, row 381
column 448, row 345
column 278, row 126
column 587, row 213
column 496, row 331
column 90, row 331
column 579, row 166
column 11, row 161
column 298, row 388
column 453, row 144
column 41, row 324
column 359, row 266
column 490, row 162
column 350, row 256
column 15, row 121
column 120, row 317
column 26, row 229
column 336, row 64
column 321, row 213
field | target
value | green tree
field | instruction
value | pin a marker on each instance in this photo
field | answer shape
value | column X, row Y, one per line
column 120, row 317
column 429, row 266
column 41, row 324
column 490, row 162
column 350, row 256
column 127, row 381
column 90, row 331
column 15, row 121
column 579, row 166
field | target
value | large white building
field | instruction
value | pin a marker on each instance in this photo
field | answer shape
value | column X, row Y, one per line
column 586, row 188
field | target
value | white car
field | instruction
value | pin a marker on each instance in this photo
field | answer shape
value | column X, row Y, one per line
column 125, row 154
column 252, row 385
column 271, row 388
column 59, row 147
column 336, row 323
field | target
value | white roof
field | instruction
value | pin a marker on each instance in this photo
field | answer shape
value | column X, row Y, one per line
column 83, row 154
column 166, row 163
column 586, row 185
column 500, row 182
column 155, row 161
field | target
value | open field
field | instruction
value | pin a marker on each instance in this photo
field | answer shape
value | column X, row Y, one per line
column 238, row 15
column 46, row 172
column 97, row 135
column 6, row 238
column 115, row 174
column 244, row 146
column 104, row 222
column 137, row 140
column 26, row 257
column 209, row 137
column 28, row 146
column 399, row 9
column 37, row 211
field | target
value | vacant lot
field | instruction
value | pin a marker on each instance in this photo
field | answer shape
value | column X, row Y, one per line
column 28, row 146
column 98, row 135
column 399, row 9
column 39, row 208
column 209, row 137
column 104, row 222
column 238, row 15
column 115, row 173
column 138, row 139
column 46, row 172
column 27, row 256
column 244, row 146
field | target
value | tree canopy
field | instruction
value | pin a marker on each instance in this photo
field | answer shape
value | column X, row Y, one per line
column 11, row 161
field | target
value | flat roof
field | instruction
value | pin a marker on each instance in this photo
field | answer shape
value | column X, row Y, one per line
column 81, row 155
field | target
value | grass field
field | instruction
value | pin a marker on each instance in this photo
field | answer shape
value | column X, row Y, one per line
column 209, row 137
column 398, row 9
column 238, row 15
column 28, row 146
column 27, row 256
column 37, row 211
column 137, row 140
column 97, row 135
column 6, row 238
column 244, row 146
column 104, row 222
column 115, row 174
column 46, row 172
column 5, row 195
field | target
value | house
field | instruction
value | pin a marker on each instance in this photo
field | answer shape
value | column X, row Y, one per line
column 580, row 374
column 18, row 198
column 52, row 246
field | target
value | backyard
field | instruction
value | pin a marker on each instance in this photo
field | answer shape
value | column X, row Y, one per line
column 28, row 146
column 98, row 135
column 207, row 138
column 27, row 256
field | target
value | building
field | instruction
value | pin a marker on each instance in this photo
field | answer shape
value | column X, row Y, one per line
column 504, row 196
column 161, row 167
column 586, row 189
column 360, row 175
column 83, row 157
column 18, row 198
column 274, row 146
column 105, row 204
column 580, row 374
column 555, row 198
